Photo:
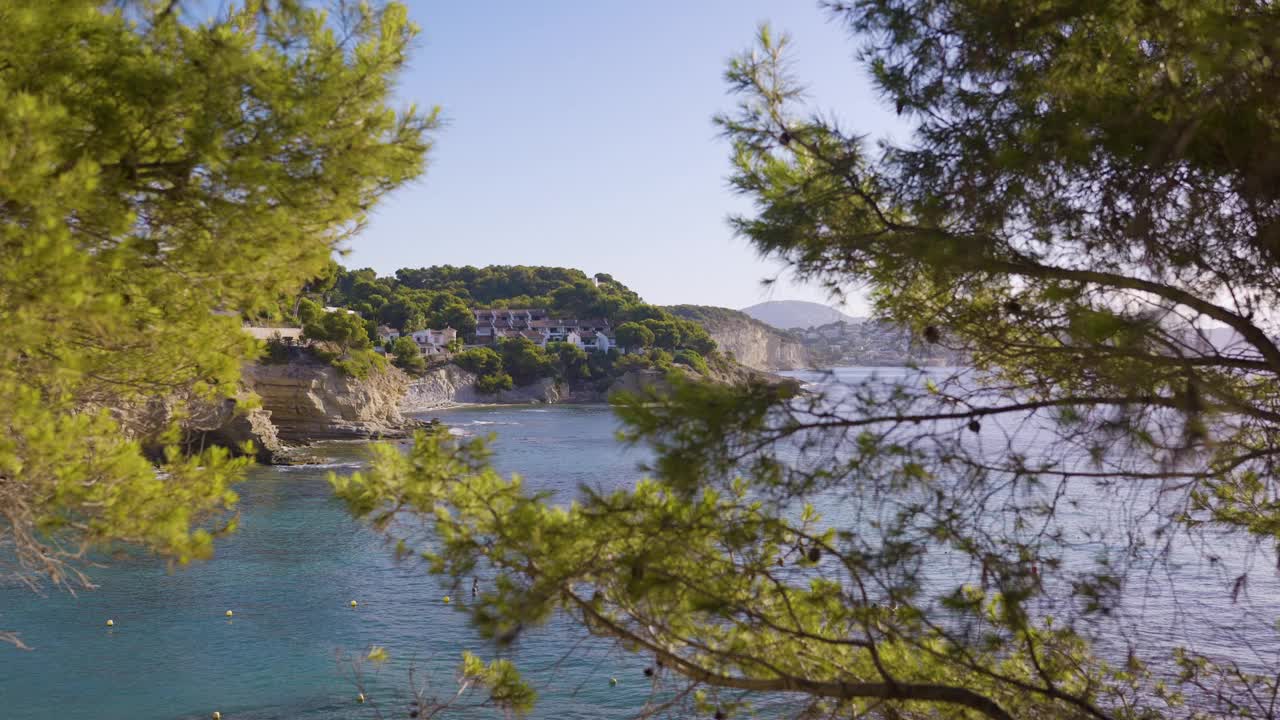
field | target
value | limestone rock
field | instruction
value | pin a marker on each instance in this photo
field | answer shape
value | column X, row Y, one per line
column 745, row 339
column 449, row 385
column 313, row 401
column 440, row 387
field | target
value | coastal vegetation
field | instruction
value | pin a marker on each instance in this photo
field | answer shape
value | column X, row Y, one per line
column 1088, row 209
column 445, row 297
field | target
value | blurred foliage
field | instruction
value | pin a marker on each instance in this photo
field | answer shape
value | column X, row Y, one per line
column 160, row 179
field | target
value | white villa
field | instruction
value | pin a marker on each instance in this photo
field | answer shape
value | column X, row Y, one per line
column 433, row 342
column 430, row 342
column 332, row 309
column 536, row 325
column 387, row 334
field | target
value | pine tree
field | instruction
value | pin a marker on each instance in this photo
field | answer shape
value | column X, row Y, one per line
column 158, row 179
column 1089, row 188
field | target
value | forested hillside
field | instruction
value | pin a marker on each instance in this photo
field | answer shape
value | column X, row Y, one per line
column 445, row 296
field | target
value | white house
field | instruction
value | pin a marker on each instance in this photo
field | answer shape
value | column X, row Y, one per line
column 602, row 342
column 332, row 309
column 591, row 340
column 387, row 335
column 432, row 342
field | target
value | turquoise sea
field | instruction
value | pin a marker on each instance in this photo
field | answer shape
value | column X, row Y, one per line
column 298, row 559
column 289, row 574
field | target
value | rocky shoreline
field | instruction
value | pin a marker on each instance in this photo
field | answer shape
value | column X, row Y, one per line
column 285, row 407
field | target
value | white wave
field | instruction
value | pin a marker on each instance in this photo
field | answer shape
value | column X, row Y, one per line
column 320, row 466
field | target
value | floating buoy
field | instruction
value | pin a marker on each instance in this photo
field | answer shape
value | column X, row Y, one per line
column 360, row 698
column 613, row 681
column 447, row 600
column 217, row 715
column 229, row 613
column 111, row 623
column 354, row 603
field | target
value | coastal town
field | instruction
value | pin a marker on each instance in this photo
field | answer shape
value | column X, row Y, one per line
column 492, row 326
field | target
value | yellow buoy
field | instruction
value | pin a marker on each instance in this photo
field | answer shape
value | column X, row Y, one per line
column 354, row 603
column 613, row 681
column 447, row 600
column 217, row 715
column 111, row 623
column 360, row 698
column 229, row 613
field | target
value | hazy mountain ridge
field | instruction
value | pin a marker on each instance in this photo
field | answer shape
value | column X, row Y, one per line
column 796, row 314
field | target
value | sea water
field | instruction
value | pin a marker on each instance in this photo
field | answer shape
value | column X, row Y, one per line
column 298, row 560
column 289, row 574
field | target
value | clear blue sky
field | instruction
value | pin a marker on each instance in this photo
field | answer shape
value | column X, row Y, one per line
column 579, row 134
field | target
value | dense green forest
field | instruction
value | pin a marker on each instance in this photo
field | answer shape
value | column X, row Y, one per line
column 444, row 296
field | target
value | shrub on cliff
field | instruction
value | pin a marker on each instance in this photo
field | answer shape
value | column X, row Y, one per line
column 525, row 361
column 634, row 336
column 632, row 361
column 692, row 360
column 360, row 364
column 487, row 365
column 494, row 382
column 342, row 330
column 407, row 355
column 480, row 360
column 571, row 362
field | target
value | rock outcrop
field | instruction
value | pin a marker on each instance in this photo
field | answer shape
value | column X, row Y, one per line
column 230, row 423
column 279, row 408
column 448, row 385
column 232, row 426
column 441, row 387
column 639, row 381
column 749, row 341
column 296, row 403
column 313, row 401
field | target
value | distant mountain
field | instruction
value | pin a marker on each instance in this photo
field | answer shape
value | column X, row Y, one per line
column 793, row 314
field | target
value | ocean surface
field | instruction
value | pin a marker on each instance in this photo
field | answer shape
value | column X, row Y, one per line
column 298, row 560
column 289, row 575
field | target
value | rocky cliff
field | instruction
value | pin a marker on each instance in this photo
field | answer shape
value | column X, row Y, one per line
column 749, row 341
column 312, row 401
column 233, row 423
column 448, row 385
column 287, row 405
column 229, row 423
